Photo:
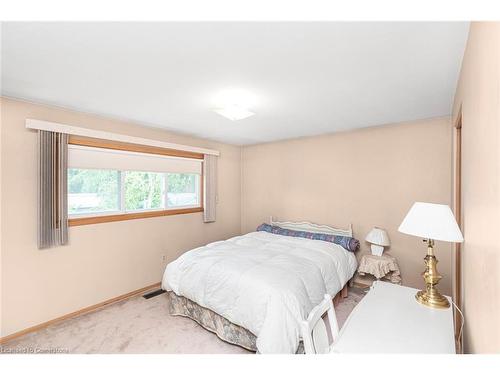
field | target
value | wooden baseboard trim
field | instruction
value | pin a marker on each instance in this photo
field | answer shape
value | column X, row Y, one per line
column 83, row 311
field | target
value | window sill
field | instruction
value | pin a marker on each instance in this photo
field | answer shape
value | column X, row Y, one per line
column 130, row 216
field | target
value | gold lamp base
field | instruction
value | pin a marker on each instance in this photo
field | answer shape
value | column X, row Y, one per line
column 431, row 297
column 437, row 301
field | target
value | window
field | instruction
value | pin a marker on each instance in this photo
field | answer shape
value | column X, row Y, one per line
column 93, row 191
column 183, row 189
column 144, row 191
column 113, row 184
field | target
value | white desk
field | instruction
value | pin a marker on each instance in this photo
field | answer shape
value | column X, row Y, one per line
column 389, row 320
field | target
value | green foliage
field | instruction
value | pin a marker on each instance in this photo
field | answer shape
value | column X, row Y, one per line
column 95, row 190
column 103, row 183
column 143, row 190
column 181, row 183
column 181, row 189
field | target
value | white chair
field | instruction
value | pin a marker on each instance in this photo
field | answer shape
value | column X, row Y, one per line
column 314, row 330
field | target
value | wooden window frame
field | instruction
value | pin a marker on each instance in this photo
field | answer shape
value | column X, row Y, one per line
column 457, row 208
column 122, row 146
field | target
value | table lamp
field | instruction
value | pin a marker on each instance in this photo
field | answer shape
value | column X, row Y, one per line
column 378, row 238
column 431, row 222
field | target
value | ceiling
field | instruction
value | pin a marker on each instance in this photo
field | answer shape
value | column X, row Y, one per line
column 305, row 78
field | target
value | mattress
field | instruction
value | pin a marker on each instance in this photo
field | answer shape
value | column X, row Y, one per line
column 263, row 282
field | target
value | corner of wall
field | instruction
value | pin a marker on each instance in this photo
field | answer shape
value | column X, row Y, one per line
column 242, row 208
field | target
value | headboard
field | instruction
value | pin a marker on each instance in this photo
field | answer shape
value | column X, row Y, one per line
column 310, row 227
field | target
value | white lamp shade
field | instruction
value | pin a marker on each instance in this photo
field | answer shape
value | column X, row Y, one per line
column 433, row 221
column 378, row 236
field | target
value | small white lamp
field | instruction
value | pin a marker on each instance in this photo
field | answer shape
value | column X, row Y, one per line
column 431, row 222
column 378, row 239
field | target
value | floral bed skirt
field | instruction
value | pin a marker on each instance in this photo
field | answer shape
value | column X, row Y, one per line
column 213, row 322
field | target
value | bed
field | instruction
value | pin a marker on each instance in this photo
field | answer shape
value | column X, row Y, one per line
column 253, row 290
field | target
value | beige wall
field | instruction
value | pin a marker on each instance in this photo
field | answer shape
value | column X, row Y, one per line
column 368, row 177
column 478, row 95
column 103, row 260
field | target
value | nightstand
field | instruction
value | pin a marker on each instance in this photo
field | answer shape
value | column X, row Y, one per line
column 382, row 267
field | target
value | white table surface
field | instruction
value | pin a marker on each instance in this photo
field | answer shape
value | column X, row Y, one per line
column 389, row 320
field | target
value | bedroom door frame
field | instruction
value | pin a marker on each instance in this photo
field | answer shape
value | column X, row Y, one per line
column 457, row 209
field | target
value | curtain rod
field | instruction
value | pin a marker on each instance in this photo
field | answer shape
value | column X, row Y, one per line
column 84, row 132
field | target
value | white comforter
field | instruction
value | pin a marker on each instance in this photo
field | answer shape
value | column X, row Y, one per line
column 266, row 283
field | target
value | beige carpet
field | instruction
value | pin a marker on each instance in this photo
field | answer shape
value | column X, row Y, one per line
column 137, row 325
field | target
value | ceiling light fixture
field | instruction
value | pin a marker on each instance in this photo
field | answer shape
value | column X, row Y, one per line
column 234, row 104
column 234, row 112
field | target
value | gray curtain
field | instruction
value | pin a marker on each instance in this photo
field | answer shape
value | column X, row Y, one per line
column 52, row 189
column 210, row 186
